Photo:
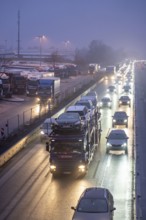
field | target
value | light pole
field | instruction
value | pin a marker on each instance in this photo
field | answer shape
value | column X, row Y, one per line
column 41, row 38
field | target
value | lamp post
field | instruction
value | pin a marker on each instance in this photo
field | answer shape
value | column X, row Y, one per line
column 41, row 38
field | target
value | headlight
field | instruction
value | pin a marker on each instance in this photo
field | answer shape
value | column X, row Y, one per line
column 120, row 102
column 114, row 120
column 128, row 102
column 82, row 168
column 42, row 132
column 108, row 144
column 125, row 120
column 53, row 167
column 124, row 145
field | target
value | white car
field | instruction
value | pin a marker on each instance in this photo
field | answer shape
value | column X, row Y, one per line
column 94, row 203
column 125, row 100
column 120, row 118
column 117, row 139
column 92, row 98
column 105, row 102
column 89, row 105
column 83, row 112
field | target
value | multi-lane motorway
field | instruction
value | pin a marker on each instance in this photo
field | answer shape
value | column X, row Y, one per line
column 28, row 190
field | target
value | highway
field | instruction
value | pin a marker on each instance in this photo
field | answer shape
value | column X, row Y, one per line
column 28, row 190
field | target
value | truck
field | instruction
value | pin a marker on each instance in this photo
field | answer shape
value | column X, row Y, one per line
column 48, row 89
column 32, row 84
column 17, row 82
column 111, row 69
column 6, row 84
column 71, row 150
column 93, row 68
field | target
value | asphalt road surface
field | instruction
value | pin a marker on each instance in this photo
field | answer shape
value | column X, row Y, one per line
column 28, row 190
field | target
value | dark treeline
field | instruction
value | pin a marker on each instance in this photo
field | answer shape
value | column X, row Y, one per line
column 100, row 53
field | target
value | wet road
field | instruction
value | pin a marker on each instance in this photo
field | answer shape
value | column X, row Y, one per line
column 28, row 190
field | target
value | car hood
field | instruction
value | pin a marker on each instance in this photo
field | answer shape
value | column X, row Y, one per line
column 91, row 216
column 117, row 142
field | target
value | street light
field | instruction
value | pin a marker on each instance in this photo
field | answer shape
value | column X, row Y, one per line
column 41, row 38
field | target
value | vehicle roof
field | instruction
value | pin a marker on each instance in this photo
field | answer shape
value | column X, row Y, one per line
column 118, row 131
column 88, row 98
column 84, row 101
column 76, row 108
column 94, row 192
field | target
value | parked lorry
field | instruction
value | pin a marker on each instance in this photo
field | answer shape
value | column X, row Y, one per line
column 32, row 84
column 48, row 89
column 71, row 149
column 6, row 85
column 111, row 69
column 93, row 68
column 18, row 82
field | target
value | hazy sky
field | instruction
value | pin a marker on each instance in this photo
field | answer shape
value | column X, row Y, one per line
column 118, row 23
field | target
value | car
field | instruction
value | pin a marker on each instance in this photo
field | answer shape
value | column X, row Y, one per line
column 89, row 105
column 94, row 203
column 92, row 93
column 126, row 88
column 117, row 139
column 111, row 88
column 83, row 112
column 46, row 128
column 68, row 121
column 105, row 102
column 92, row 98
column 120, row 118
column 125, row 100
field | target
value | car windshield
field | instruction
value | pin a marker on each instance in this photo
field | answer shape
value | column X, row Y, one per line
column 125, row 98
column 69, row 116
column 84, row 104
column 93, row 205
column 117, row 135
column 105, row 99
column 120, row 114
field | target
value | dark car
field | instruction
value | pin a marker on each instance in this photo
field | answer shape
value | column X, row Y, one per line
column 111, row 88
column 94, row 203
column 117, row 140
column 105, row 102
column 120, row 118
column 68, row 121
column 125, row 100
